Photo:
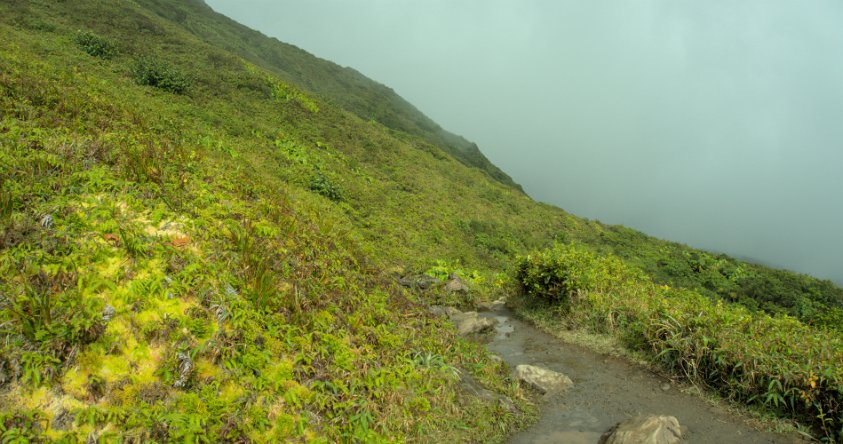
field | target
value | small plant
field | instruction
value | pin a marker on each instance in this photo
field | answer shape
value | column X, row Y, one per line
column 160, row 74
column 444, row 270
column 33, row 309
column 96, row 45
column 7, row 204
column 22, row 427
column 38, row 367
column 322, row 185
column 133, row 243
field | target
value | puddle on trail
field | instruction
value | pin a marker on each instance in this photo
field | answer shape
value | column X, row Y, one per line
column 504, row 328
column 608, row 390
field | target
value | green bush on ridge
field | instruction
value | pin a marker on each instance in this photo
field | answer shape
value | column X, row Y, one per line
column 149, row 71
column 776, row 362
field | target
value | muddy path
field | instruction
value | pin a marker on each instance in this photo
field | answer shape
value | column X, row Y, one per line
column 608, row 390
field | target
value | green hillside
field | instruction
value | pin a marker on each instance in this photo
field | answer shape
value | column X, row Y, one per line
column 341, row 86
column 202, row 229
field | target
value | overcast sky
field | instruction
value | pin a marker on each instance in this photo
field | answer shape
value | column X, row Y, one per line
column 717, row 123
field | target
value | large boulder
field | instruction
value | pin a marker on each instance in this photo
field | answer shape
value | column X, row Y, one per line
column 645, row 430
column 468, row 322
column 541, row 379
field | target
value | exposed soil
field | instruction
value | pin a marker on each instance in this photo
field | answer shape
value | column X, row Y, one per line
column 608, row 390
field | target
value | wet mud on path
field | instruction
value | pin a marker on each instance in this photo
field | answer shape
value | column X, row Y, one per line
column 608, row 390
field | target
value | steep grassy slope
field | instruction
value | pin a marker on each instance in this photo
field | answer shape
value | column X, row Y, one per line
column 188, row 268
column 193, row 248
column 343, row 86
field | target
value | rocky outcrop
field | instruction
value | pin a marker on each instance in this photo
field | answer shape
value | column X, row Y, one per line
column 543, row 380
column 645, row 430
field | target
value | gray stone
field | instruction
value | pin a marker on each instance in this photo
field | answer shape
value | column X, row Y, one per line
column 492, row 305
column 185, row 369
column 456, row 285
column 468, row 322
column 107, row 313
column 476, row 325
column 541, row 379
column 645, row 430
column 422, row 282
column 425, row 282
column 439, row 310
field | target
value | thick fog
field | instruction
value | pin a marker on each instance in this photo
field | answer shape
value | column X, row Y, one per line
column 717, row 123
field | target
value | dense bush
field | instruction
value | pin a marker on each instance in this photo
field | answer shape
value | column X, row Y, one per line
column 776, row 362
column 561, row 274
column 160, row 74
column 324, row 186
column 96, row 45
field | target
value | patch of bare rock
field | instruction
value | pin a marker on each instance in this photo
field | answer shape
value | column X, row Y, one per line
column 645, row 430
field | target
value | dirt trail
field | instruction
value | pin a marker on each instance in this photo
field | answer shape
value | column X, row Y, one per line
column 608, row 390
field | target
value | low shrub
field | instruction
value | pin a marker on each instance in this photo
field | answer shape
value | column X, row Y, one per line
column 324, row 186
column 160, row 74
column 96, row 45
column 560, row 274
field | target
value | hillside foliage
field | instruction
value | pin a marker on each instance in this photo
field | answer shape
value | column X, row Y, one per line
column 343, row 86
column 201, row 230
column 777, row 362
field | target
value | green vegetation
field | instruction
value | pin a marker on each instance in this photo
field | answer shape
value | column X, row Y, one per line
column 325, row 187
column 96, row 45
column 159, row 74
column 214, row 258
column 173, row 271
column 817, row 302
column 778, row 362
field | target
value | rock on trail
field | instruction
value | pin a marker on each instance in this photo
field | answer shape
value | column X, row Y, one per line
column 645, row 430
column 541, row 379
column 468, row 322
